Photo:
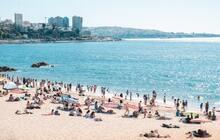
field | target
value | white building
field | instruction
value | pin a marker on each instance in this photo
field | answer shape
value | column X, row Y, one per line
column 59, row 21
column 77, row 23
column 18, row 20
column 26, row 24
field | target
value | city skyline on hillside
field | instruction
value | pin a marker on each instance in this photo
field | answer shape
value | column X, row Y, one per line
column 170, row 15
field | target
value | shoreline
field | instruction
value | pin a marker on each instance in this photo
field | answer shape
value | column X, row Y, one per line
column 180, row 39
column 36, row 41
column 169, row 101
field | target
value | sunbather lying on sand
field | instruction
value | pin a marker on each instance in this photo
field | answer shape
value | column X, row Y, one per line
column 149, row 115
column 98, row 119
column 56, row 113
column 169, row 126
column 52, row 113
column 102, row 109
column 18, row 112
column 3, row 93
column 54, row 100
column 13, row 99
column 87, row 115
column 72, row 113
column 32, row 105
column 157, row 114
column 92, row 115
column 135, row 114
column 199, row 133
column 154, row 134
column 163, row 118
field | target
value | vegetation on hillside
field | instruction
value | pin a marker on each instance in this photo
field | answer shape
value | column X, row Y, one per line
column 120, row 32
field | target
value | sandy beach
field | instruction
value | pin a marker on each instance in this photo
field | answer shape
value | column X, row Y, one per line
column 64, row 127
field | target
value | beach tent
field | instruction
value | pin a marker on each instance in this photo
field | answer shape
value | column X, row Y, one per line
column 10, row 86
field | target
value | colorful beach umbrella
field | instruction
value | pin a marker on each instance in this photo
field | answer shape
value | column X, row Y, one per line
column 10, row 86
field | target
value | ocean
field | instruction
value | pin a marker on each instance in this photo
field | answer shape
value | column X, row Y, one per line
column 180, row 68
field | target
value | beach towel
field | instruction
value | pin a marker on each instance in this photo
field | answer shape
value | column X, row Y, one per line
column 163, row 118
column 118, row 98
column 111, row 105
column 131, row 106
column 169, row 126
column 17, row 91
column 200, row 120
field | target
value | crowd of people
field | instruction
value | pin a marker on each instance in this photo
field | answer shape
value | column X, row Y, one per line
column 55, row 92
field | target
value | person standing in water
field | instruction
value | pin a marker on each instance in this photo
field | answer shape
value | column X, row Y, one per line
column 201, row 106
column 164, row 98
column 207, row 107
column 145, row 99
column 130, row 96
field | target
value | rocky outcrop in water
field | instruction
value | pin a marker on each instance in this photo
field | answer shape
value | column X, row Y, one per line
column 39, row 64
column 6, row 69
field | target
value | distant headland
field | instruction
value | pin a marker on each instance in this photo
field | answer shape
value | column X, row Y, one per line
column 57, row 29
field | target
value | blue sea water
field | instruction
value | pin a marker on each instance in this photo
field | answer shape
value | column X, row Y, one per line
column 181, row 68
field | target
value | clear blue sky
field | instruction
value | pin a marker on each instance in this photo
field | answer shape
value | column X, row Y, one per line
column 166, row 15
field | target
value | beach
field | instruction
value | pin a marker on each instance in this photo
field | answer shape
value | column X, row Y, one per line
column 112, row 127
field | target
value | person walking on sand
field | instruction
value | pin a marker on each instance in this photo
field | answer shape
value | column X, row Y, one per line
column 145, row 113
column 207, row 107
column 139, row 107
column 126, row 110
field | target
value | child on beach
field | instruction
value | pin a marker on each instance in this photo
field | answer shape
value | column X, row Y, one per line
column 145, row 113
column 149, row 115
column 140, row 107
column 126, row 110
column 87, row 114
column 79, row 112
column 92, row 115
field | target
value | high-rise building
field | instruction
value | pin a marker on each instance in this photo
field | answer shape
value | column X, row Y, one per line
column 77, row 23
column 51, row 21
column 18, row 20
column 66, row 22
column 59, row 21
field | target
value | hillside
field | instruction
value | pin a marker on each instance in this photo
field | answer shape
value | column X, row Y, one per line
column 120, row 32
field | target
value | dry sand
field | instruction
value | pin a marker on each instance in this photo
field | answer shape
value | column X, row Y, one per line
column 64, row 127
